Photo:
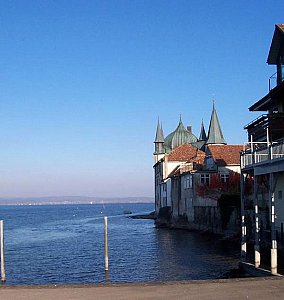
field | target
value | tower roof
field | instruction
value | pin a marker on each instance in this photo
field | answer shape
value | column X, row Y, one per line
column 178, row 137
column 215, row 135
column 159, row 134
column 202, row 136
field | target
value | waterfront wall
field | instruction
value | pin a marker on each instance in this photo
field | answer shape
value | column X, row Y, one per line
column 215, row 216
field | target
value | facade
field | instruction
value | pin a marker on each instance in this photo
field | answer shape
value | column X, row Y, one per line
column 186, row 171
column 262, row 167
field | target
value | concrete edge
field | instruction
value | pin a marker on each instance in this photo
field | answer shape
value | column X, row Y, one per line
column 139, row 284
column 257, row 272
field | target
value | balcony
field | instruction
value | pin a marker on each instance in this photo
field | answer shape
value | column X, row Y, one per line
column 258, row 154
column 273, row 81
column 268, row 124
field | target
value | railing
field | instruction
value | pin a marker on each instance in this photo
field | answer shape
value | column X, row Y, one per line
column 272, row 82
column 255, row 156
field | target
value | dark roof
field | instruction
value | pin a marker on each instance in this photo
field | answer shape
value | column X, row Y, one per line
column 265, row 103
column 178, row 137
column 215, row 135
column 202, row 136
column 276, row 48
column 159, row 134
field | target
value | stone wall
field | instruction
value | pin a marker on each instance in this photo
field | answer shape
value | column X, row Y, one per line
column 222, row 218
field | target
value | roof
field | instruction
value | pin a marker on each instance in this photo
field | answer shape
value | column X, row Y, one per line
column 225, row 155
column 199, row 144
column 202, row 136
column 265, row 103
column 276, row 50
column 159, row 134
column 179, row 136
column 187, row 153
column 215, row 135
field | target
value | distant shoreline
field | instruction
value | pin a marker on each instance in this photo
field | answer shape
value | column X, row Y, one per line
column 65, row 201
column 71, row 203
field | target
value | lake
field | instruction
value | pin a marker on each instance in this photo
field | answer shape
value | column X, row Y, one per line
column 64, row 244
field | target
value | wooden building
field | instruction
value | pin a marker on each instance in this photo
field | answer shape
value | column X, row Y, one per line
column 262, row 166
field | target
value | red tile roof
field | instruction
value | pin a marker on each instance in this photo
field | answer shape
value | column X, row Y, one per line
column 187, row 153
column 225, row 154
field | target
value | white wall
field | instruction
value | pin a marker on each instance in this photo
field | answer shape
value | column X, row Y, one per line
column 187, row 196
column 234, row 168
column 169, row 188
column 171, row 165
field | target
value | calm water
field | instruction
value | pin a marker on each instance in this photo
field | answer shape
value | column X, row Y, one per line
column 64, row 244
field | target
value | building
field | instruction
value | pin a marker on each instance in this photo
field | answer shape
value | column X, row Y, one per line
column 187, row 170
column 262, row 167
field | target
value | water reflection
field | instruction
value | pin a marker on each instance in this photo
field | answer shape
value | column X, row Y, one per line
column 183, row 254
column 64, row 244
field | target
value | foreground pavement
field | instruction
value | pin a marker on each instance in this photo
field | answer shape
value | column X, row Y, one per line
column 250, row 288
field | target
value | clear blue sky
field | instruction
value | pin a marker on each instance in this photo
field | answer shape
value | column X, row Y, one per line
column 82, row 83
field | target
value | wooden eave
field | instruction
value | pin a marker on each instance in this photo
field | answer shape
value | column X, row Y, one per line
column 276, row 49
column 265, row 103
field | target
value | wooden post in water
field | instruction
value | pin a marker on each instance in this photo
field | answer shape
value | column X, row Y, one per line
column 273, row 231
column 3, row 274
column 256, row 244
column 106, row 244
column 244, row 238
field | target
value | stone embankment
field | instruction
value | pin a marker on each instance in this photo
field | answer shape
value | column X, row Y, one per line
column 225, row 225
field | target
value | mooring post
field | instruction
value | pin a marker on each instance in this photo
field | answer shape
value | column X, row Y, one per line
column 3, row 274
column 273, row 231
column 106, row 244
column 243, row 240
column 256, row 245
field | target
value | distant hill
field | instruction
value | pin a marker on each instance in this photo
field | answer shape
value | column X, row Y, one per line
column 72, row 200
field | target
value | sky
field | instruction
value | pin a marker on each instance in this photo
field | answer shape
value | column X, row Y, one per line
column 83, row 83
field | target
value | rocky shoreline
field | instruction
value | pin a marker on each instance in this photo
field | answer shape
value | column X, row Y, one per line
column 152, row 216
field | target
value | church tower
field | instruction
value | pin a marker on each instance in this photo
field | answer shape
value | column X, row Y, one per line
column 202, row 136
column 215, row 135
column 159, row 143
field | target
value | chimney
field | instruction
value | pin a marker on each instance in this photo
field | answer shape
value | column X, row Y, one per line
column 189, row 129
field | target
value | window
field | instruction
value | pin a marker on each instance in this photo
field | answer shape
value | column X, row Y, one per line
column 204, row 178
column 187, row 184
column 224, row 178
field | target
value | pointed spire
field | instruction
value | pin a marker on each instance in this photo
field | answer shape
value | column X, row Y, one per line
column 159, row 134
column 215, row 135
column 202, row 136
